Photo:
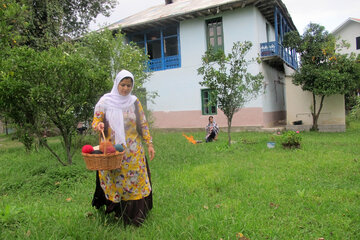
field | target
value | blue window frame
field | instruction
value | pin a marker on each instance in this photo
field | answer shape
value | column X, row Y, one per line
column 161, row 45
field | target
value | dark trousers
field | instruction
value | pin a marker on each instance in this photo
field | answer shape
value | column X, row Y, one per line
column 211, row 137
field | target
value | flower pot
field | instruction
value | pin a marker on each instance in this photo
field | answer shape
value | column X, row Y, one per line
column 270, row 144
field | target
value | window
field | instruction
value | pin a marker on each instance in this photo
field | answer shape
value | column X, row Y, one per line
column 206, row 107
column 214, row 33
column 139, row 40
column 358, row 43
column 170, row 41
column 267, row 32
column 162, row 47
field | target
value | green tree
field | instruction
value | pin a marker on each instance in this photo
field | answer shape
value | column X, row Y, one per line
column 55, row 87
column 323, row 72
column 16, row 78
column 68, row 85
column 228, row 77
column 52, row 22
column 48, row 80
column 39, row 24
column 351, row 98
column 60, row 86
column 109, row 50
column 12, row 23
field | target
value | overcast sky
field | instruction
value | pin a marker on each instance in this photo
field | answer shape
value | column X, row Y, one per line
column 328, row 13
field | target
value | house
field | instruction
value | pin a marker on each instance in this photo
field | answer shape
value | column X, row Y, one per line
column 332, row 117
column 176, row 35
column 350, row 32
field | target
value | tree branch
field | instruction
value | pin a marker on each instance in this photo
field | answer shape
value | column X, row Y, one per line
column 54, row 153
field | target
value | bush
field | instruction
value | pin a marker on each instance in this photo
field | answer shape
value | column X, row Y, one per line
column 291, row 139
column 355, row 111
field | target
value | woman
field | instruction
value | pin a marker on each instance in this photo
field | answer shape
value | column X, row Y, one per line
column 126, row 191
column 212, row 130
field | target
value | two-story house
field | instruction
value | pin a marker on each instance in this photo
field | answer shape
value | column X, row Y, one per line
column 176, row 35
column 350, row 32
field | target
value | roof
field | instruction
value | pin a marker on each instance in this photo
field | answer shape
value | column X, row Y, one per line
column 341, row 26
column 179, row 10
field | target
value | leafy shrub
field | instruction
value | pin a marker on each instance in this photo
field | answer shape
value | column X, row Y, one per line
column 355, row 111
column 291, row 139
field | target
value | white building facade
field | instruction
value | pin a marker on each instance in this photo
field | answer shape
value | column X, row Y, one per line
column 176, row 35
column 350, row 32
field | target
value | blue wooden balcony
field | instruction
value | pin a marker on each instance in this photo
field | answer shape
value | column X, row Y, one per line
column 274, row 52
column 164, row 63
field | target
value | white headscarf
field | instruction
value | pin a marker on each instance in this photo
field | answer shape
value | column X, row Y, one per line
column 114, row 104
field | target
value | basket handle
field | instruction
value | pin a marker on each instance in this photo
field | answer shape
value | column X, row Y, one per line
column 102, row 133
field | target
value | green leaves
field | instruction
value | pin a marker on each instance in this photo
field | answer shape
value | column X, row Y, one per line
column 291, row 139
column 323, row 72
column 12, row 23
column 59, row 87
column 228, row 76
column 41, row 24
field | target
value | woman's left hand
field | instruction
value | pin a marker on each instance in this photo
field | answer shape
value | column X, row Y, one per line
column 151, row 151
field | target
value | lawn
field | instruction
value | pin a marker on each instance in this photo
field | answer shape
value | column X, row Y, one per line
column 202, row 191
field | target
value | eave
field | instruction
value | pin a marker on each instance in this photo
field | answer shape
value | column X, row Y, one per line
column 165, row 15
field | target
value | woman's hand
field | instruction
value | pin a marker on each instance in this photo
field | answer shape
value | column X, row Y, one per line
column 100, row 126
column 151, row 151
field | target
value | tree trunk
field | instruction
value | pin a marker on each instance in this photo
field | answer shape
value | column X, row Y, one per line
column 6, row 127
column 315, row 114
column 229, row 120
column 67, row 143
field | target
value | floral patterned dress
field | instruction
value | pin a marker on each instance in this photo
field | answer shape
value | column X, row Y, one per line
column 131, row 181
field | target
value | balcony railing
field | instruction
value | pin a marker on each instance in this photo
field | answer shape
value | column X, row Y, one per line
column 164, row 63
column 270, row 49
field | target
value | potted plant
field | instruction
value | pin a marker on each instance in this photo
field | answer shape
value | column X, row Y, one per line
column 291, row 139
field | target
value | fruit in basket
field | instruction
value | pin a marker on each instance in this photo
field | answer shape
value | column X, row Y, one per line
column 119, row 147
column 87, row 149
column 109, row 147
column 96, row 152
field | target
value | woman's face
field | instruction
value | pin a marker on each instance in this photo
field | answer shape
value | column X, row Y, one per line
column 125, row 86
column 211, row 119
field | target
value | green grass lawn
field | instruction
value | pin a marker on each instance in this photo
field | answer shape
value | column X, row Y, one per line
column 202, row 191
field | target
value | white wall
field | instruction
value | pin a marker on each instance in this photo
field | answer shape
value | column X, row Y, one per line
column 179, row 89
column 273, row 98
column 349, row 33
column 274, row 88
column 299, row 104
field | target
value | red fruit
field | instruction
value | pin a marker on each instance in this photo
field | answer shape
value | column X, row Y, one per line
column 87, row 149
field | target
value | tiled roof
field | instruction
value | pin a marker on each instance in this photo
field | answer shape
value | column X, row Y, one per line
column 347, row 21
column 180, row 10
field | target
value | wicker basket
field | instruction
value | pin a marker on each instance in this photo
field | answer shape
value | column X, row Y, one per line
column 103, row 161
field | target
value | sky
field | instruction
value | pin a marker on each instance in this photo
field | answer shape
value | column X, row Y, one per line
column 328, row 13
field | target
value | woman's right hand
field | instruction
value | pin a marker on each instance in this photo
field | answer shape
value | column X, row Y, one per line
column 100, row 126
